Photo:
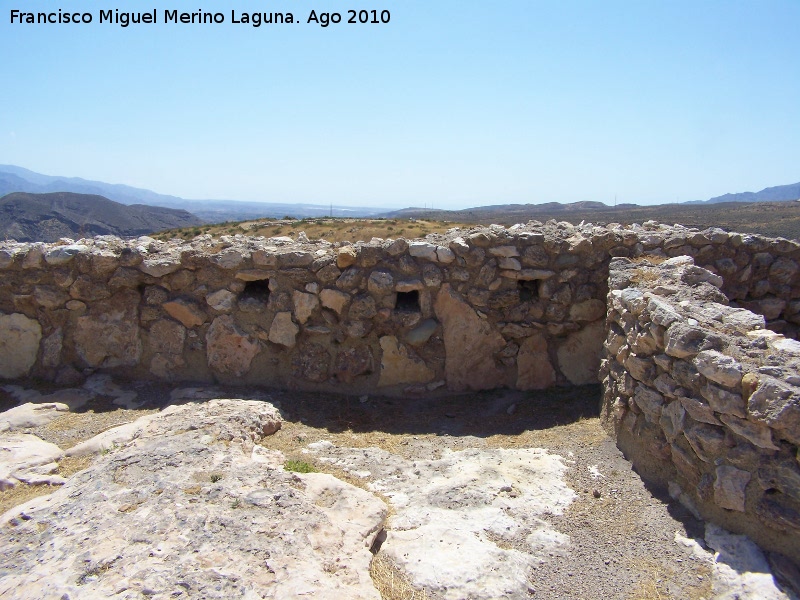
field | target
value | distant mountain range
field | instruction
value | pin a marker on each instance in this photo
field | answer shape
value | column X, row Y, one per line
column 29, row 217
column 17, row 179
column 779, row 193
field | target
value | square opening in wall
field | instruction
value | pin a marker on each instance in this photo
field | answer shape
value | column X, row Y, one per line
column 528, row 290
column 407, row 301
column 256, row 290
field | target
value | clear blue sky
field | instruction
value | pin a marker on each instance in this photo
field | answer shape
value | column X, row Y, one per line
column 452, row 104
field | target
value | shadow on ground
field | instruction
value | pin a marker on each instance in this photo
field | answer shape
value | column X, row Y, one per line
column 480, row 414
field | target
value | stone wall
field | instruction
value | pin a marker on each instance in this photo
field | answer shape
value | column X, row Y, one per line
column 473, row 309
column 701, row 393
column 704, row 399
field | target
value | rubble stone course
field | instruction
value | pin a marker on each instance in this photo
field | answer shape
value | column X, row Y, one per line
column 476, row 308
column 692, row 333
column 703, row 398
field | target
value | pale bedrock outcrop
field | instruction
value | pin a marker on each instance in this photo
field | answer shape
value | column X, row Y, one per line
column 467, row 525
column 192, row 506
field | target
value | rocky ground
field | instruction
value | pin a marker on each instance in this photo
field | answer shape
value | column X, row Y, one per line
column 491, row 495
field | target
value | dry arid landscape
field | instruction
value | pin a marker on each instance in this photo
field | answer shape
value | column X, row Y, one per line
column 775, row 219
column 238, row 413
column 405, row 301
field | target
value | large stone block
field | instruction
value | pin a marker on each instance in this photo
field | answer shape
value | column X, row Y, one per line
column 19, row 344
column 534, row 369
column 304, row 305
column 579, row 355
column 283, row 330
column 778, row 405
column 729, row 487
column 470, row 344
column 334, row 300
column 352, row 362
column 400, row 365
column 312, row 362
column 588, row 310
column 719, row 368
column 228, row 350
column 186, row 311
column 108, row 334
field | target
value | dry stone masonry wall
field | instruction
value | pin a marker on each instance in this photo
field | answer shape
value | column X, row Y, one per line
column 695, row 330
column 703, row 398
column 474, row 309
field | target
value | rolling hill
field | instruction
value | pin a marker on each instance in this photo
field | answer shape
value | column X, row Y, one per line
column 18, row 179
column 778, row 193
column 48, row 217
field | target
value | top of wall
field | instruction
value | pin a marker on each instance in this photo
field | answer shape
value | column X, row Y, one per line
column 231, row 251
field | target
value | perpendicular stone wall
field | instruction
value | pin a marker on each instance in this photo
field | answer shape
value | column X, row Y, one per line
column 704, row 399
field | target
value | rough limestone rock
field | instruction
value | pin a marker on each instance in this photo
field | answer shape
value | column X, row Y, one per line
column 167, row 336
column 534, row 370
column 739, row 570
column 111, row 438
column 422, row 332
column 31, row 415
column 778, row 405
column 312, row 363
column 221, row 300
column 467, row 525
column 470, row 344
column 304, row 305
column 283, row 330
column 19, row 344
column 352, row 362
column 193, row 507
column 579, row 355
column 399, row 365
column 719, row 368
column 346, row 257
column 186, row 312
column 334, row 300
column 108, row 336
column 27, row 458
column 228, row 350
column 729, row 486
column 588, row 310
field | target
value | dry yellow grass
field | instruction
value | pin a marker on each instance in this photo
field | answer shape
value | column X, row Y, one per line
column 74, row 427
column 69, row 465
column 22, row 493
column 293, row 436
column 585, row 430
column 390, row 582
column 654, row 584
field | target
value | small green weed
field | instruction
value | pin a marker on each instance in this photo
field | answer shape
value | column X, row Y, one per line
column 298, row 466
